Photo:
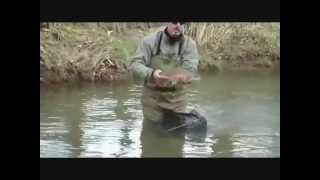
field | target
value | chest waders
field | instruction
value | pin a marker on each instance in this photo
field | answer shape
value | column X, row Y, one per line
column 154, row 99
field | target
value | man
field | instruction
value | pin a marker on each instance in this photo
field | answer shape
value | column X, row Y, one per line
column 166, row 61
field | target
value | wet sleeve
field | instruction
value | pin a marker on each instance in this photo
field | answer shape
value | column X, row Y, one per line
column 138, row 63
column 190, row 58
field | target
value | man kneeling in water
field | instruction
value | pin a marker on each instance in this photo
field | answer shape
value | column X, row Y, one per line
column 167, row 61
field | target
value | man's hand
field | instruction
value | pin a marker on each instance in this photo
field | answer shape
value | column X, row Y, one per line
column 158, row 78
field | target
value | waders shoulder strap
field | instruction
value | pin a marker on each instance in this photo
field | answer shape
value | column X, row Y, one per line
column 159, row 42
column 180, row 45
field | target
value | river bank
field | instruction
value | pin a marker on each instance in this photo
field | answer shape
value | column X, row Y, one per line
column 72, row 52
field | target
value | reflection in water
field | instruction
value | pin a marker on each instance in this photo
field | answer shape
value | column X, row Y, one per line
column 62, row 123
column 120, row 94
column 255, row 145
column 156, row 143
column 223, row 146
column 105, row 120
column 73, row 124
column 109, row 127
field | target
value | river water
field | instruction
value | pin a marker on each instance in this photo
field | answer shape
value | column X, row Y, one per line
column 105, row 119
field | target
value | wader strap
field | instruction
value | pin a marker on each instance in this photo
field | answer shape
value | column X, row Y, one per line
column 180, row 45
column 159, row 43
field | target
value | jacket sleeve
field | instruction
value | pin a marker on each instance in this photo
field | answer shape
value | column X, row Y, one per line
column 138, row 63
column 190, row 57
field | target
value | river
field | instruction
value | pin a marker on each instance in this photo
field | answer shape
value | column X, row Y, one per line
column 105, row 119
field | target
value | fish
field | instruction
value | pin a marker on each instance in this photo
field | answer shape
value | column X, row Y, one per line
column 175, row 77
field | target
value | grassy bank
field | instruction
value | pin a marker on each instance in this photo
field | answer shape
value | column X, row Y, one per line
column 236, row 45
column 100, row 51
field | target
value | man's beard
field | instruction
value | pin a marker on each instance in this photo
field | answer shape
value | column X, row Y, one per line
column 173, row 39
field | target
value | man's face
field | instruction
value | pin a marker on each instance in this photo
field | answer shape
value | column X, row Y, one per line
column 175, row 29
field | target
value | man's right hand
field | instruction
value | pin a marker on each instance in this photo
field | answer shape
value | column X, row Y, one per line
column 159, row 78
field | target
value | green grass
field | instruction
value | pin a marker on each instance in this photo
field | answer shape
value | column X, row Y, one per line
column 122, row 49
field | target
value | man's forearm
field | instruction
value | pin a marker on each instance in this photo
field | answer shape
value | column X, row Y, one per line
column 141, row 71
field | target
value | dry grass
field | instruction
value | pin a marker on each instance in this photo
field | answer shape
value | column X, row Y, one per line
column 98, row 51
column 74, row 51
column 236, row 43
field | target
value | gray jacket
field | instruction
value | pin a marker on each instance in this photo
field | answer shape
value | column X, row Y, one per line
column 139, row 63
